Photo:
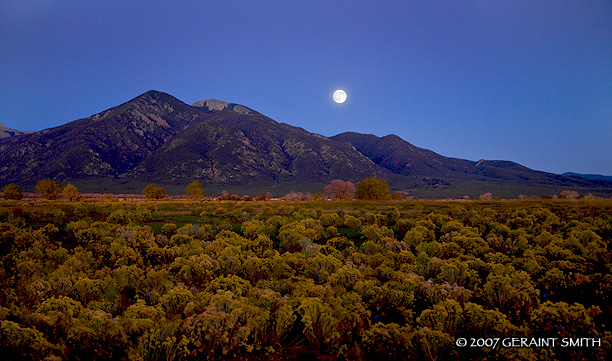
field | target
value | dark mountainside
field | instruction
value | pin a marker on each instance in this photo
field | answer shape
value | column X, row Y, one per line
column 248, row 149
column 443, row 173
column 588, row 176
column 157, row 138
column 105, row 145
column 401, row 157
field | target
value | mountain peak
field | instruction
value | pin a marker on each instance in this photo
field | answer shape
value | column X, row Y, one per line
column 155, row 105
column 214, row 105
column 155, row 96
column 211, row 104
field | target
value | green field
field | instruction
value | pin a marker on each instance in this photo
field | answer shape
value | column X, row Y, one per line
column 279, row 280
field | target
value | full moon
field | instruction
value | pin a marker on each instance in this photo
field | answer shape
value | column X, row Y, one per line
column 339, row 96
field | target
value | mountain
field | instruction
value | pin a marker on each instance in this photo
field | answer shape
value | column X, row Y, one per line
column 245, row 148
column 445, row 175
column 589, row 176
column 401, row 157
column 6, row 132
column 105, row 145
column 158, row 138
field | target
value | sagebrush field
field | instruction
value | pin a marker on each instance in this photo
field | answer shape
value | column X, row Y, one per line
column 277, row 280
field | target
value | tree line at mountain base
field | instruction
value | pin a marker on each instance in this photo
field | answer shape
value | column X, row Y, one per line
column 368, row 189
column 217, row 280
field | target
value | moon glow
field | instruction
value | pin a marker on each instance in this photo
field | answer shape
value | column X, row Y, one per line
column 339, row 96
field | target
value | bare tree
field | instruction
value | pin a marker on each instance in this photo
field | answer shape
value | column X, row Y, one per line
column 486, row 196
column 340, row 190
column 569, row 194
column 297, row 196
column 225, row 196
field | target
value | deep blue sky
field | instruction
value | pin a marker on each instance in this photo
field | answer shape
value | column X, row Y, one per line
column 527, row 81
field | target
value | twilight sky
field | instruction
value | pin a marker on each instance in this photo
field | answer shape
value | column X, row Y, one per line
column 527, row 81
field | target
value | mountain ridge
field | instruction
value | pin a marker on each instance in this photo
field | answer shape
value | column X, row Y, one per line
column 214, row 105
column 155, row 137
column 105, row 144
column 6, row 132
column 588, row 176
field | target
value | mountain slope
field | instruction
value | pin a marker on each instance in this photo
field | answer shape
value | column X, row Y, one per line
column 588, row 176
column 6, row 132
column 104, row 145
column 246, row 147
column 401, row 157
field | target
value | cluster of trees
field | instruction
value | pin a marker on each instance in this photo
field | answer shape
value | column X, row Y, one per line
column 238, row 280
column 50, row 189
column 368, row 189
column 45, row 188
